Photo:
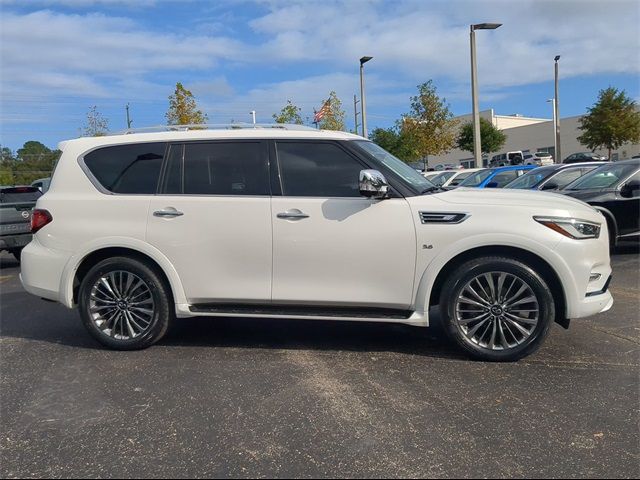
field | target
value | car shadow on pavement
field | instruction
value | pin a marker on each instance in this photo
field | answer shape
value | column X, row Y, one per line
column 35, row 319
column 320, row 335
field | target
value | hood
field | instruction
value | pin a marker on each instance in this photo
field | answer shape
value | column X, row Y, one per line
column 511, row 197
column 585, row 195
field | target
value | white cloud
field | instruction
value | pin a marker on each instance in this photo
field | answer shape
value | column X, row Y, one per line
column 314, row 46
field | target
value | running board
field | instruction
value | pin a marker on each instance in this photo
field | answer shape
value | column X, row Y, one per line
column 300, row 311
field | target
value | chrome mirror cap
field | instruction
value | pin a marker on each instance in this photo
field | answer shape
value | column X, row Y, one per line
column 373, row 184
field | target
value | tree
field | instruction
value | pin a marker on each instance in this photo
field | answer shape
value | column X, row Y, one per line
column 491, row 139
column 289, row 114
column 97, row 125
column 393, row 141
column 183, row 109
column 612, row 121
column 429, row 128
column 34, row 160
column 334, row 118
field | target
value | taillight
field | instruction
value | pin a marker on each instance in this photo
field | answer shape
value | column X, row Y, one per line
column 39, row 219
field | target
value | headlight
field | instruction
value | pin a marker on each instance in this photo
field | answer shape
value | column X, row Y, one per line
column 571, row 227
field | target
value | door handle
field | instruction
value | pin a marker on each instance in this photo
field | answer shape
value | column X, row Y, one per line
column 168, row 212
column 292, row 214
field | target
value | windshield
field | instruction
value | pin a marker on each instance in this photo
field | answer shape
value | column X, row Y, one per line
column 604, row 177
column 476, row 179
column 408, row 174
column 531, row 179
column 441, row 178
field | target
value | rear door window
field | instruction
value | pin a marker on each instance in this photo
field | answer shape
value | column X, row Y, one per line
column 218, row 168
column 504, row 177
column 133, row 169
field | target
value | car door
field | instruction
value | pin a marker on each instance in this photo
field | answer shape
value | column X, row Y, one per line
column 626, row 210
column 332, row 246
column 212, row 220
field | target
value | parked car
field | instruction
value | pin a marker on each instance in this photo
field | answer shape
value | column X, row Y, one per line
column 584, row 157
column 447, row 166
column 459, row 176
column 505, row 159
column 42, row 184
column 16, row 203
column 540, row 159
column 429, row 175
column 495, row 177
column 139, row 229
column 442, row 177
column 553, row 177
column 614, row 190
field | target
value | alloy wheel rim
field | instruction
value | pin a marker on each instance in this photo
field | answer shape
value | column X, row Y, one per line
column 497, row 311
column 121, row 305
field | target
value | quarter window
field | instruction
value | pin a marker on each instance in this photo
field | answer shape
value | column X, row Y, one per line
column 314, row 169
column 131, row 168
column 218, row 168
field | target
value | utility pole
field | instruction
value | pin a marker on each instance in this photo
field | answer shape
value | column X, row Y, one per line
column 477, row 150
column 253, row 115
column 363, row 102
column 557, row 113
column 355, row 112
column 129, row 121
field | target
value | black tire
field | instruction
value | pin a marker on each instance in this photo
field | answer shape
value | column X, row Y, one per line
column 16, row 252
column 465, row 273
column 160, row 293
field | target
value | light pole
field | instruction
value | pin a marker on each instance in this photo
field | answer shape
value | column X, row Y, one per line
column 556, row 110
column 253, row 115
column 552, row 101
column 363, row 103
column 477, row 151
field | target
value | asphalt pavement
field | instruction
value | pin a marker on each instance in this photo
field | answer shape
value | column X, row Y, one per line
column 266, row 398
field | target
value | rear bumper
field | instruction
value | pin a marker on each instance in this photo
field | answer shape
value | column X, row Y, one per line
column 42, row 270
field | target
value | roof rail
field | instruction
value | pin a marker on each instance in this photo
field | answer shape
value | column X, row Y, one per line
column 213, row 126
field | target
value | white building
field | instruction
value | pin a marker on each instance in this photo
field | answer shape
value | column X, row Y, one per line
column 531, row 135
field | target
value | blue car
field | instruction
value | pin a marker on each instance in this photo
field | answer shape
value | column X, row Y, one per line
column 495, row 177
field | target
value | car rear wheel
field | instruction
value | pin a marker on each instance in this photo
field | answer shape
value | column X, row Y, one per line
column 497, row 309
column 124, row 304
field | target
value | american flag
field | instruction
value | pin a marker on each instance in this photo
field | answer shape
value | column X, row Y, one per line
column 326, row 108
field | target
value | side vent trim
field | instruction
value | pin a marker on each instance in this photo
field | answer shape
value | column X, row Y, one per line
column 443, row 217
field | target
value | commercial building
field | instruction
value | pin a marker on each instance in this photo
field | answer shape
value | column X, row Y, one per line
column 528, row 134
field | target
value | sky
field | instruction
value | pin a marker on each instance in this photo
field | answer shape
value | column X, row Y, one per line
column 59, row 58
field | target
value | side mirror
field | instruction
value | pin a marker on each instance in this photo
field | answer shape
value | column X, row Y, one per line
column 630, row 189
column 492, row 185
column 373, row 184
column 550, row 186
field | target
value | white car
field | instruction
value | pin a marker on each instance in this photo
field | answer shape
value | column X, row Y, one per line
column 541, row 159
column 459, row 176
column 140, row 229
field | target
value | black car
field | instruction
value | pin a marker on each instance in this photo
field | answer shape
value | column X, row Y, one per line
column 16, row 204
column 553, row 177
column 584, row 157
column 614, row 189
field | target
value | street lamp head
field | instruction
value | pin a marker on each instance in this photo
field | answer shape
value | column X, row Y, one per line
column 364, row 60
column 485, row 26
column 557, row 58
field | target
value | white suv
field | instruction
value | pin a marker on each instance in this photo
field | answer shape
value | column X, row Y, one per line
column 141, row 228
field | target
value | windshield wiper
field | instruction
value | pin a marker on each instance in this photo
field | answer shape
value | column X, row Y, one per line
column 433, row 189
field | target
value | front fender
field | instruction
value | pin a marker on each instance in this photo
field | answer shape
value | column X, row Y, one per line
column 430, row 273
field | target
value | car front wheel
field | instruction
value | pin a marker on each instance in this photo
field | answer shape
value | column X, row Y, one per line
column 124, row 304
column 497, row 308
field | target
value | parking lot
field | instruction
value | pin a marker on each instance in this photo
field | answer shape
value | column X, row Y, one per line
column 264, row 398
